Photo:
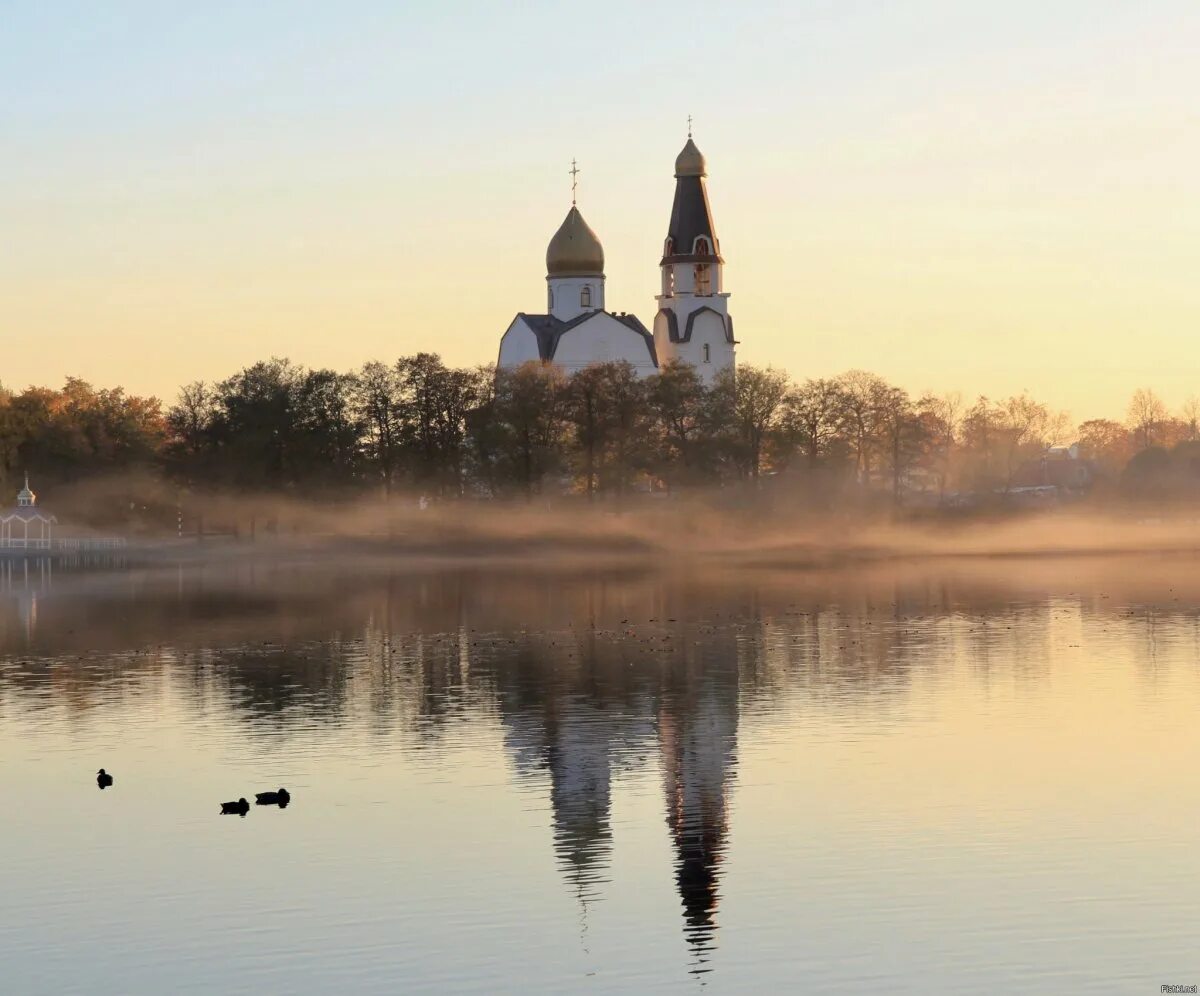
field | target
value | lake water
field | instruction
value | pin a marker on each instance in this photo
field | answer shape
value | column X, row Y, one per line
column 974, row 776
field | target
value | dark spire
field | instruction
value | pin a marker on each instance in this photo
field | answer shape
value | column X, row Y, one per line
column 691, row 217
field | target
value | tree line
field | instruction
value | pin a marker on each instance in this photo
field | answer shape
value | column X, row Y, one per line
column 419, row 426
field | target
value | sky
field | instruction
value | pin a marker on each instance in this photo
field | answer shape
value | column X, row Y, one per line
column 982, row 197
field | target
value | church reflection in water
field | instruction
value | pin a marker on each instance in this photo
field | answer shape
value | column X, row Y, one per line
column 614, row 700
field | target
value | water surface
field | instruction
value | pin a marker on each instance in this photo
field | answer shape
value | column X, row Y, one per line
column 977, row 776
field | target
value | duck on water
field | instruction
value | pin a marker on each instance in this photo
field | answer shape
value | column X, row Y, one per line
column 241, row 808
column 103, row 779
column 280, row 798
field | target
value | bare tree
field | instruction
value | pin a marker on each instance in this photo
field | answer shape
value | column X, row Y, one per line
column 862, row 393
column 941, row 418
column 1191, row 418
column 1145, row 417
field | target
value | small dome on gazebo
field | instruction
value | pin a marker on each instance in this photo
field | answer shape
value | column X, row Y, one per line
column 25, row 497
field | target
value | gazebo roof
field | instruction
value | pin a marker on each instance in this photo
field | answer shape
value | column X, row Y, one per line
column 27, row 513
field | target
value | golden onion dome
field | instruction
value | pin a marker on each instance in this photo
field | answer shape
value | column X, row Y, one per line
column 574, row 251
column 690, row 162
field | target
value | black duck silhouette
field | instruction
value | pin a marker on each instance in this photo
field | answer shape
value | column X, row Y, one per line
column 103, row 778
column 280, row 798
column 241, row 808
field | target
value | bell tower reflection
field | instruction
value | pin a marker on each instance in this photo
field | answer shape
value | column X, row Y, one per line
column 557, row 725
column 697, row 723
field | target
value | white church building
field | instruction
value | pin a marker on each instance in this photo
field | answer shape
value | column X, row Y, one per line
column 692, row 323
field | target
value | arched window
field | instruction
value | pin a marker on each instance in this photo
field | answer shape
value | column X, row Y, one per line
column 668, row 281
column 550, row 299
column 703, row 280
column 669, row 247
column 702, row 247
column 707, row 353
column 585, row 296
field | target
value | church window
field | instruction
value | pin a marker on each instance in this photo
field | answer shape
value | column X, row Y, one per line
column 668, row 281
column 550, row 299
column 702, row 247
column 669, row 248
column 703, row 280
column 585, row 297
column 707, row 353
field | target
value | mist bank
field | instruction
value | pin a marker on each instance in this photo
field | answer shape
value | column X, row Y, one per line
column 723, row 529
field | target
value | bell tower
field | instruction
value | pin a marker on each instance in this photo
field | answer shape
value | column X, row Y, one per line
column 693, row 323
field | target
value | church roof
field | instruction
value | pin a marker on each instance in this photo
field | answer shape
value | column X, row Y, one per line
column 549, row 330
column 575, row 251
column 691, row 217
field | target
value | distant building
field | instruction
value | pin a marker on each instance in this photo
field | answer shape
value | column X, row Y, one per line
column 28, row 526
column 692, row 324
column 1060, row 467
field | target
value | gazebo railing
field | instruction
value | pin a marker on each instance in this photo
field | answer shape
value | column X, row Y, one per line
column 67, row 545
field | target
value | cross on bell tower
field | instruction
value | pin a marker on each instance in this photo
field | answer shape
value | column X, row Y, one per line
column 574, row 180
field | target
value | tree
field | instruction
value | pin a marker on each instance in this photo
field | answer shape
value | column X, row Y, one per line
column 253, row 425
column 326, row 430
column 816, row 411
column 1145, row 416
column 530, row 413
column 752, row 407
column 1027, row 428
column 861, row 394
column 433, row 404
column 376, row 396
column 901, row 432
column 681, row 406
column 1191, row 418
column 1106, row 443
column 940, row 419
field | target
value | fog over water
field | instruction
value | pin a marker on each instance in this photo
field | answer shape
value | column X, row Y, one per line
column 911, row 775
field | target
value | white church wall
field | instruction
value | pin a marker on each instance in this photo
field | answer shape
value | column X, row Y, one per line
column 663, row 345
column 602, row 339
column 708, row 350
column 518, row 345
column 708, row 330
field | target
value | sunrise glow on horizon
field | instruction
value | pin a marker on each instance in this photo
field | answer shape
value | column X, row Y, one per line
column 958, row 197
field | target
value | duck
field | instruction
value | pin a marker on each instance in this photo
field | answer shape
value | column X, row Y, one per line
column 241, row 808
column 280, row 798
column 103, row 778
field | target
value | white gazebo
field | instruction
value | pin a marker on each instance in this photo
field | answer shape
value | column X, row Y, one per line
column 26, row 527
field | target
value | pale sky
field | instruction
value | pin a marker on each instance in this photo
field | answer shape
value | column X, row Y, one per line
column 987, row 197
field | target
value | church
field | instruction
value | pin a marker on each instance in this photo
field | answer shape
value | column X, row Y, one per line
column 692, row 323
